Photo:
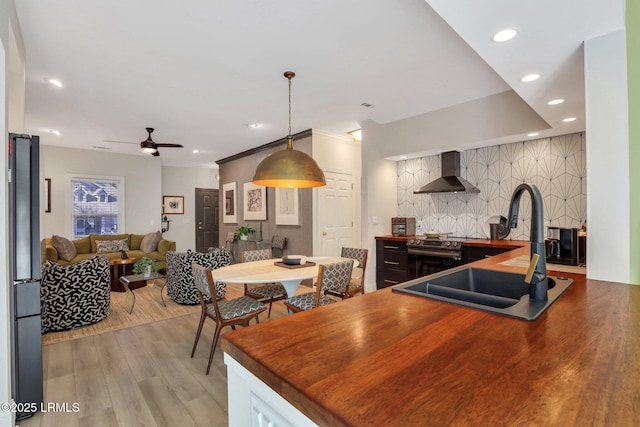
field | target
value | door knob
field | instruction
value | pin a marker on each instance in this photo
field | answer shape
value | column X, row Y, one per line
column 324, row 233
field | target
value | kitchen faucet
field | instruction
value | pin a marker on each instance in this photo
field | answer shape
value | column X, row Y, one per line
column 538, row 285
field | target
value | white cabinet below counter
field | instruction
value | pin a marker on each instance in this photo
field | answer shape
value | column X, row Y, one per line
column 253, row 403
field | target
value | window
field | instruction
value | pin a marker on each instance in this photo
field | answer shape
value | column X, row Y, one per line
column 97, row 205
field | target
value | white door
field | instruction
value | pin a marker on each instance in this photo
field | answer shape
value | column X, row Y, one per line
column 336, row 211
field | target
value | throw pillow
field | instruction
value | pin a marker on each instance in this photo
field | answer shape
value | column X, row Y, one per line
column 150, row 242
column 107, row 246
column 66, row 249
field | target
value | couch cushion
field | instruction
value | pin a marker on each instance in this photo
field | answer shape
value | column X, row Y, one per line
column 108, row 246
column 96, row 237
column 66, row 249
column 135, row 240
column 83, row 246
column 150, row 242
column 164, row 246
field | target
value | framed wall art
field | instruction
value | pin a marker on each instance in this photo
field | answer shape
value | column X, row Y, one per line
column 173, row 205
column 255, row 202
column 229, row 191
column 287, row 207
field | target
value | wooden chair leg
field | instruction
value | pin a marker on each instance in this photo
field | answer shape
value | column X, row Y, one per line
column 269, row 313
column 195, row 344
column 213, row 345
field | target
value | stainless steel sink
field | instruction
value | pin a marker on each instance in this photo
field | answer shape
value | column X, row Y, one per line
column 495, row 291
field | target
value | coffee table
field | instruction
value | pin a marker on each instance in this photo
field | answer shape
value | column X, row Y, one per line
column 135, row 281
column 120, row 267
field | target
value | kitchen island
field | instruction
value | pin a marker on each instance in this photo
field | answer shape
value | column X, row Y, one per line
column 398, row 360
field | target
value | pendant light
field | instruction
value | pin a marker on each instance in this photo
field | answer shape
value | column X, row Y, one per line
column 289, row 168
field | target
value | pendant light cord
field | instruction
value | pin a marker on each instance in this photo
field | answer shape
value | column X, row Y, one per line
column 289, row 105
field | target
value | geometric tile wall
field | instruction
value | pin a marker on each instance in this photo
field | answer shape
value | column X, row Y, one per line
column 557, row 166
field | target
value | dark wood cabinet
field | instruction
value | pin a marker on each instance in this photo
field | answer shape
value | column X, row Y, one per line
column 393, row 264
column 476, row 253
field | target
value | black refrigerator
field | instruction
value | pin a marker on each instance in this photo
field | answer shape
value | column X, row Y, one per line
column 24, row 257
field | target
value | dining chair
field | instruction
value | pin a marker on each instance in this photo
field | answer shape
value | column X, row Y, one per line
column 356, row 285
column 269, row 292
column 331, row 276
column 278, row 245
column 232, row 312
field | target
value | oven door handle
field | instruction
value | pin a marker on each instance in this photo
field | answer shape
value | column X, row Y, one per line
column 438, row 254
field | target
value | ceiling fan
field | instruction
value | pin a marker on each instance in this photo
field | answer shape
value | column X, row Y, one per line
column 149, row 145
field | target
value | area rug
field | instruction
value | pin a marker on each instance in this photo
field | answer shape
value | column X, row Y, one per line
column 148, row 308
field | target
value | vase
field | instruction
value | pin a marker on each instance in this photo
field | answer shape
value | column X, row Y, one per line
column 243, row 237
column 147, row 272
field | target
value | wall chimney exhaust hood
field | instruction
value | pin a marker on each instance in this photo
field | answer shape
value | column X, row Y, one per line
column 450, row 181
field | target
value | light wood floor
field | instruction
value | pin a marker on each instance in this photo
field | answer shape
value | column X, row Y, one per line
column 139, row 376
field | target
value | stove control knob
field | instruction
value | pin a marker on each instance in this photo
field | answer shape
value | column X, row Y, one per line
column 455, row 244
column 411, row 241
column 447, row 244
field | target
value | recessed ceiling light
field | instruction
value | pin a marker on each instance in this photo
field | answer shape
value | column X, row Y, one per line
column 504, row 35
column 533, row 134
column 55, row 132
column 56, row 83
column 555, row 101
column 195, row 151
column 403, row 157
column 530, row 77
column 569, row 119
column 253, row 125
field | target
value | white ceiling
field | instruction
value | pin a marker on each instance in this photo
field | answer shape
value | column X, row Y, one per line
column 199, row 71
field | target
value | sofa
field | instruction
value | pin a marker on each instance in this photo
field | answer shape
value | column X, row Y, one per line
column 181, row 286
column 68, row 252
column 74, row 295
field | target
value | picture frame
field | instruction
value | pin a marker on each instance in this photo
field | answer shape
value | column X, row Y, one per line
column 173, row 205
column 47, row 195
column 229, row 194
column 255, row 202
column 287, row 206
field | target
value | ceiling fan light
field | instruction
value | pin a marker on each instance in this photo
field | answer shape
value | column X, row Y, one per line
column 149, row 150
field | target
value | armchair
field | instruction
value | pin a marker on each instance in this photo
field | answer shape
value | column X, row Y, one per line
column 180, row 282
column 75, row 295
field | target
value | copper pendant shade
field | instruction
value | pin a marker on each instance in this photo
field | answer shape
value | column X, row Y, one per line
column 289, row 168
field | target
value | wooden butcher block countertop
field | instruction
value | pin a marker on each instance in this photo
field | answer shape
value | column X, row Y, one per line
column 390, row 359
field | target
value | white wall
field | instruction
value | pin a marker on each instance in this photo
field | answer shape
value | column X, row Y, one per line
column 379, row 193
column 142, row 180
column 608, row 235
column 181, row 181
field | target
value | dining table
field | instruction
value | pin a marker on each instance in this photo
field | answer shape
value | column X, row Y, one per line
column 272, row 271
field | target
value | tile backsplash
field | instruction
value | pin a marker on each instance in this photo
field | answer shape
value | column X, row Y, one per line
column 557, row 166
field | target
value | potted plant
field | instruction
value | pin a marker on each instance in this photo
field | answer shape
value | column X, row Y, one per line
column 243, row 232
column 146, row 266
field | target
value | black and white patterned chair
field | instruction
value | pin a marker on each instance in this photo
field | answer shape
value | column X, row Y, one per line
column 180, row 283
column 233, row 312
column 269, row 292
column 75, row 295
column 331, row 277
column 356, row 285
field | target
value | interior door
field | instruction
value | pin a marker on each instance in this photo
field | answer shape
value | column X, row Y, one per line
column 336, row 211
column 207, row 219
